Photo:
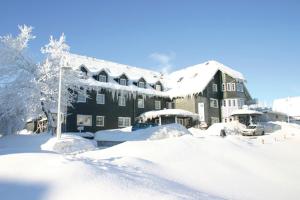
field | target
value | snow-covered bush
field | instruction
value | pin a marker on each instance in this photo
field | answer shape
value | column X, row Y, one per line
column 19, row 94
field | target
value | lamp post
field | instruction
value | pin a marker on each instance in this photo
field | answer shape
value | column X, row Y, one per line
column 58, row 127
column 288, row 109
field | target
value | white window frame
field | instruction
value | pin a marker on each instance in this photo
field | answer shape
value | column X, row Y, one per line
column 228, row 86
column 123, row 81
column 141, row 103
column 125, row 122
column 122, row 101
column 224, row 103
column 233, row 87
column 214, row 87
column 81, row 98
column 169, row 105
column 157, row 105
column 86, row 122
column 141, row 84
column 158, row 87
column 223, row 87
column 103, row 122
column 102, row 78
column 100, row 98
column 213, row 103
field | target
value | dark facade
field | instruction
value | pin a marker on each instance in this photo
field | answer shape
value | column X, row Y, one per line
column 111, row 110
column 213, row 114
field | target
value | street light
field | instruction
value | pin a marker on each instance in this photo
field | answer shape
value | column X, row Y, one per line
column 58, row 129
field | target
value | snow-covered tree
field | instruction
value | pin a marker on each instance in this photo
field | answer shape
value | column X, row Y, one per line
column 19, row 94
column 57, row 56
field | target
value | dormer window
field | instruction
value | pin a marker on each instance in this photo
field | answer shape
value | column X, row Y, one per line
column 123, row 81
column 102, row 78
column 158, row 87
column 84, row 70
column 141, row 84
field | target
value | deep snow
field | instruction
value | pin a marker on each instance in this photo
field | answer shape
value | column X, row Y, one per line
column 186, row 167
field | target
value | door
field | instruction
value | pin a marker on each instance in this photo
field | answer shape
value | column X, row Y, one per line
column 201, row 112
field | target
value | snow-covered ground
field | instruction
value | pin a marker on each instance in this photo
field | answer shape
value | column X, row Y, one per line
column 203, row 166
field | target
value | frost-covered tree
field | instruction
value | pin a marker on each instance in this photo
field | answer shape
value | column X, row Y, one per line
column 57, row 56
column 19, row 94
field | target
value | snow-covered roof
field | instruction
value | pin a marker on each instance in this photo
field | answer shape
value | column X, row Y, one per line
column 194, row 79
column 289, row 106
column 167, row 112
column 245, row 112
column 184, row 82
column 113, row 69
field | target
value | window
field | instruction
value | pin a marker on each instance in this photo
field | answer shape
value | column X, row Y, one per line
column 229, row 102
column 100, row 121
column 102, row 78
column 241, row 103
column 224, row 103
column 214, row 120
column 157, row 105
column 100, row 98
column 240, row 87
column 81, row 97
column 122, row 101
column 223, row 87
column 233, row 102
column 124, row 121
column 84, row 120
column 123, row 81
column 180, row 121
column 169, row 105
column 141, row 103
column 141, row 84
column 214, row 103
column 233, row 86
column 215, row 87
column 228, row 86
column 158, row 87
column 156, row 121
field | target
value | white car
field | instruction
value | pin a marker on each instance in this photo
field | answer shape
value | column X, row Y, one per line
column 253, row 130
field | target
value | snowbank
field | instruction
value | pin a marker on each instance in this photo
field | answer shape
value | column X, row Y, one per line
column 153, row 133
column 179, row 168
column 167, row 112
column 68, row 144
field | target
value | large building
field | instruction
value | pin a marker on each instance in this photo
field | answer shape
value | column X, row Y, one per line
column 119, row 93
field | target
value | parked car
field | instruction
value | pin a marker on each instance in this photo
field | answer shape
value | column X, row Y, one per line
column 253, row 130
column 138, row 126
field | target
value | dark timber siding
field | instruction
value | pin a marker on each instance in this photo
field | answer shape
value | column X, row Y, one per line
column 110, row 110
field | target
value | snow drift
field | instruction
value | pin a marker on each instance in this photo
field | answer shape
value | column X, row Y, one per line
column 153, row 133
column 68, row 144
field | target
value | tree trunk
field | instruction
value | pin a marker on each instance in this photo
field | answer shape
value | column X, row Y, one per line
column 50, row 121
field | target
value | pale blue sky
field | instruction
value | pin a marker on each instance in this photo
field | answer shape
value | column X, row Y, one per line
column 261, row 39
